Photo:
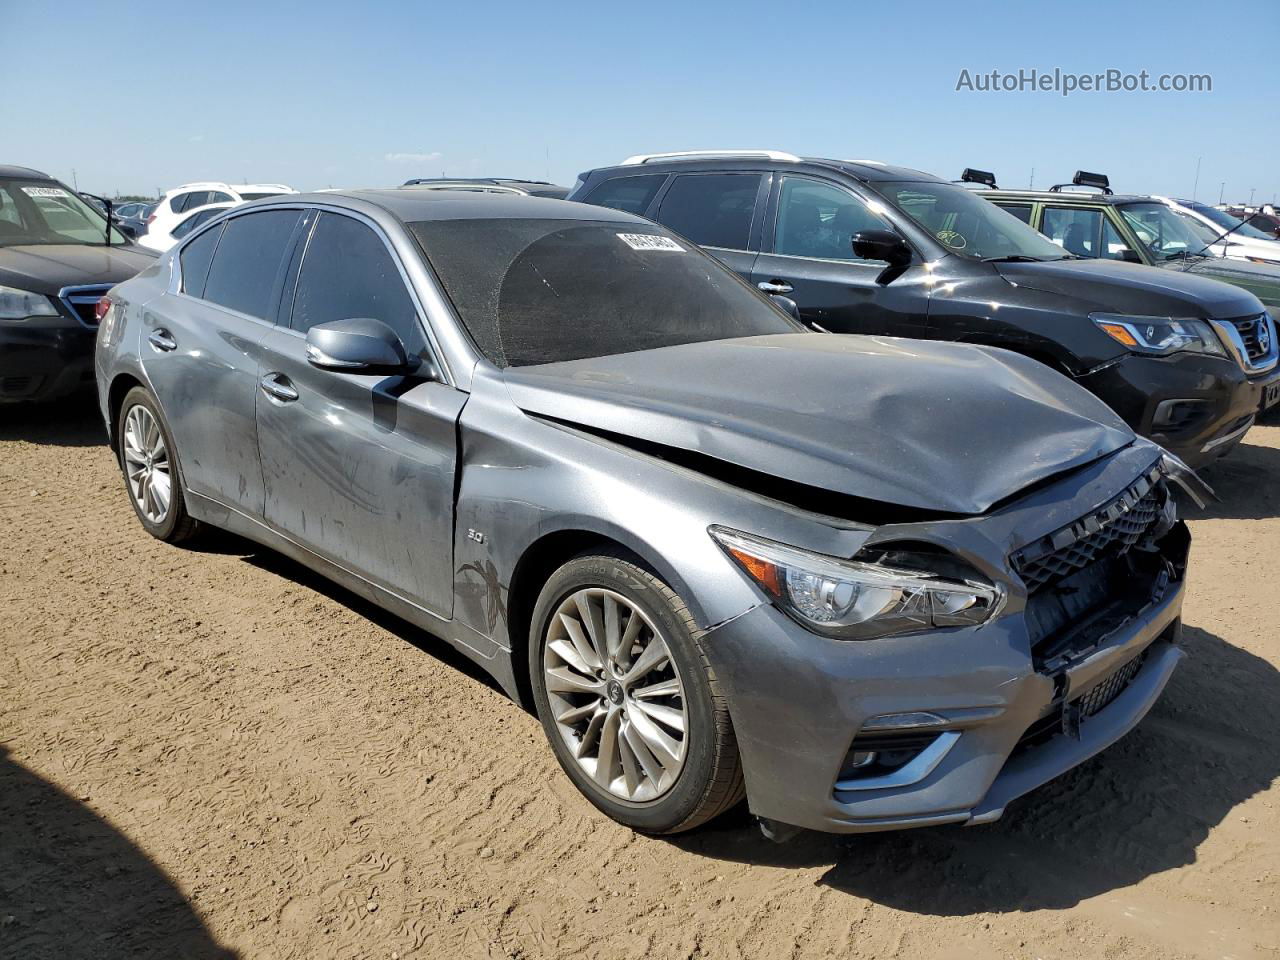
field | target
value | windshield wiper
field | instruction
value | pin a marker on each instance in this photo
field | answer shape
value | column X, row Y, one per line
column 1012, row 258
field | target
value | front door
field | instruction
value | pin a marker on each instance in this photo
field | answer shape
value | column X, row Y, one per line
column 807, row 255
column 359, row 468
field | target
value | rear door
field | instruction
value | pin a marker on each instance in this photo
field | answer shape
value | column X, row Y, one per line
column 807, row 255
column 718, row 211
column 200, row 350
column 359, row 468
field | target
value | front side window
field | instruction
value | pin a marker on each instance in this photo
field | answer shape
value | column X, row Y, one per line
column 632, row 194
column 542, row 291
column 42, row 213
column 216, row 196
column 347, row 273
column 966, row 224
column 819, row 220
column 243, row 274
column 713, row 209
column 1075, row 229
column 1161, row 231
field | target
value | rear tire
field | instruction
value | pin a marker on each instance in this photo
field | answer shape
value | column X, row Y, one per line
column 149, row 463
column 611, row 701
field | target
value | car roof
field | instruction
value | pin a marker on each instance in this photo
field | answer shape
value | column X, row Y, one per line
column 25, row 173
column 1070, row 196
column 410, row 205
column 869, row 171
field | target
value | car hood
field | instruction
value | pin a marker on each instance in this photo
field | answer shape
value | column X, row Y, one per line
column 1117, row 287
column 1260, row 279
column 42, row 268
column 935, row 426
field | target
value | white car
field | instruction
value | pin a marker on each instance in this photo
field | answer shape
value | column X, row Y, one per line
column 162, row 239
column 186, row 198
column 1244, row 242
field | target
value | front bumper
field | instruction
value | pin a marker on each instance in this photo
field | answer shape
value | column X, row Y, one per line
column 798, row 700
column 1197, row 407
column 43, row 358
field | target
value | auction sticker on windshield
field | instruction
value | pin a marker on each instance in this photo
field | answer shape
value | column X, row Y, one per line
column 44, row 191
column 645, row 241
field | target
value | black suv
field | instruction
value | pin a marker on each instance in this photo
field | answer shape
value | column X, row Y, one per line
column 57, row 259
column 862, row 247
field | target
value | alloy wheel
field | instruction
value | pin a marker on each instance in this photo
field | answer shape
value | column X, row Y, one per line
column 146, row 464
column 616, row 694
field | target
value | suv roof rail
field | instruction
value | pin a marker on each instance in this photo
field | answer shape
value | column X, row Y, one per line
column 1083, row 178
column 640, row 158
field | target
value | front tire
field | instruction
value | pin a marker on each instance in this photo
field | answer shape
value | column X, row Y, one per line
column 627, row 698
column 150, row 467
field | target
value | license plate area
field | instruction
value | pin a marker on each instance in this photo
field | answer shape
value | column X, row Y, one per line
column 1270, row 395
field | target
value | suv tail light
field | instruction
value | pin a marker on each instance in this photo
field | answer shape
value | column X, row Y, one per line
column 151, row 217
column 100, row 308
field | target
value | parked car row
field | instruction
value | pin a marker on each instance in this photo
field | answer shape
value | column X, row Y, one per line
column 612, row 451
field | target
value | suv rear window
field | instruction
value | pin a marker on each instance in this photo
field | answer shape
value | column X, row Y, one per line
column 713, row 209
column 632, row 194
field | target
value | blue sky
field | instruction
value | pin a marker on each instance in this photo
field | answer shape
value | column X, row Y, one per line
column 357, row 94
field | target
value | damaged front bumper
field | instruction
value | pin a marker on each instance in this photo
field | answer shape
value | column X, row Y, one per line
column 957, row 723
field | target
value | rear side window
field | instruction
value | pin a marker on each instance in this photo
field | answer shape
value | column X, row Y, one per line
column 1076, row 230
column 216, row 196
column 243, row 274
column 1020, row 210
column 189, row 201
column 348, row 272
column 195, row 259
column 713, row 209
column 632, row 194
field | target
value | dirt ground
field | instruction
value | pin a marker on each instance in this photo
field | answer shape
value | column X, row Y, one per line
column 211, row 752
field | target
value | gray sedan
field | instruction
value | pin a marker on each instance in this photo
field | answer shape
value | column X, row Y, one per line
column 867, row 583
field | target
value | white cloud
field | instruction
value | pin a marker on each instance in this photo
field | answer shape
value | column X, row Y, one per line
column 414, row 157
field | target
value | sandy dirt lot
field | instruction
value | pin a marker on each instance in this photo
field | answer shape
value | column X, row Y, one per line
column 211, row 752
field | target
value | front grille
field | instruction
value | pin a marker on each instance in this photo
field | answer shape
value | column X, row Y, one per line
column 1257, row 335
column 81, row 301
column 1109, row 531
column 1104, row 693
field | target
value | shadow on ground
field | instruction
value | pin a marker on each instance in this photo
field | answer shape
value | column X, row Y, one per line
column 1139, row 808
column 73, row 422
column 1247, row 482
column 72, row 886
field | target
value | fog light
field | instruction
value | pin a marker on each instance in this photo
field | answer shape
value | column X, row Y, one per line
column 856, row 760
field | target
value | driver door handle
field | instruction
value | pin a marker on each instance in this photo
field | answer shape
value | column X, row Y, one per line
column 162, row 340
column 775, row 286
column 277, row 387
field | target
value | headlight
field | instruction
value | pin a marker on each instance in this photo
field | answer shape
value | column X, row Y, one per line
column 1160, row 336
column 854, row 600
column 19, row 304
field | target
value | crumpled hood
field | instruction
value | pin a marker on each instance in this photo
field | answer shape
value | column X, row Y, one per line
column 1113, row 286
column 47, row 268
column 935, row 426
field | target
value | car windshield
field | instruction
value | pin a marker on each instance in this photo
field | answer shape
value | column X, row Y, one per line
column 40, row 212
column 966, row 224
column 542, row 291
column 1164, row 233
column 1227, row 222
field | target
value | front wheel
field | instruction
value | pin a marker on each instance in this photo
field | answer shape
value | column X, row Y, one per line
column 150, row 469
column 629, row 702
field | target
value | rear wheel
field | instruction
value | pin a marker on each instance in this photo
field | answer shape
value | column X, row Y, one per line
column 150, row 469
column 629, row 702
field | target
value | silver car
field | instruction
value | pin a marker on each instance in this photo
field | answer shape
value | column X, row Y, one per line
column 867, row 583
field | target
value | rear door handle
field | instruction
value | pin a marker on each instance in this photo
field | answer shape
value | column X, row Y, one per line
column 277, row 386
column 162, row 340
column 775, row 286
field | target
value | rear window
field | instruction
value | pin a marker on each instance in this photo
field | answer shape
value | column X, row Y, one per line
column 542, row 291
column 243, row 274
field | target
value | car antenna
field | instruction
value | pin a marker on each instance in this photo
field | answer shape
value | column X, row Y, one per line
column 1220, row 237
column 108, row 204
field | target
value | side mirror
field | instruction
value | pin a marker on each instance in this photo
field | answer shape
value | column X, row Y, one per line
column 881, row 245
column 1130, row 256
column 360, row 343
column 787, row 304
